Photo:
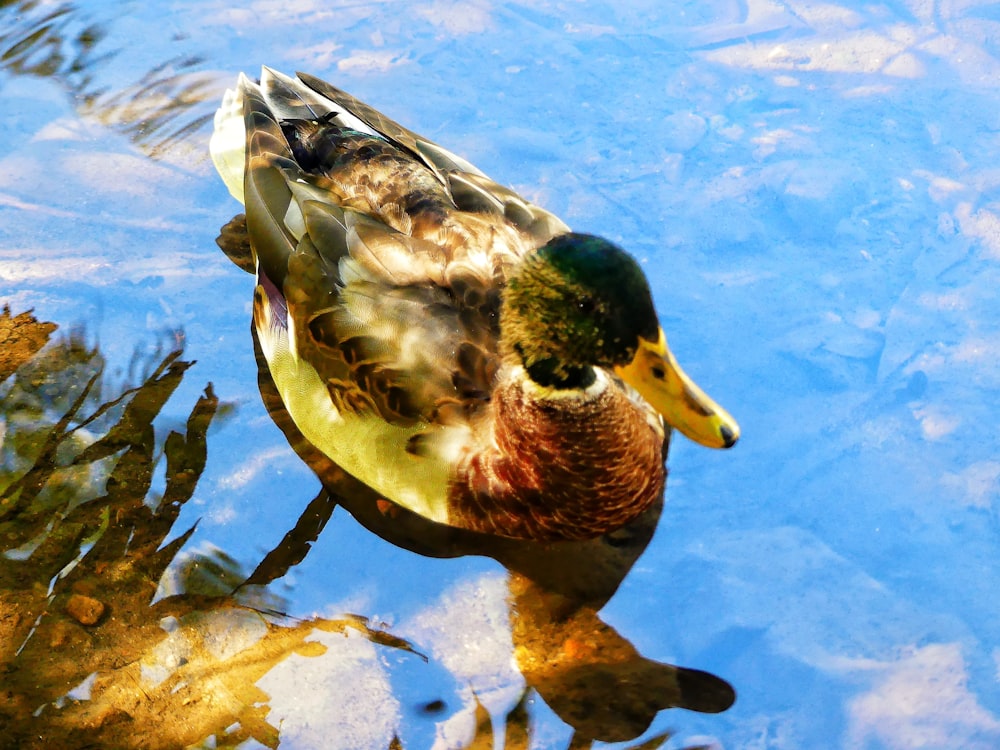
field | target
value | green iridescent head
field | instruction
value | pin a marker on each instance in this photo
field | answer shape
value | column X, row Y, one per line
column 576, row 303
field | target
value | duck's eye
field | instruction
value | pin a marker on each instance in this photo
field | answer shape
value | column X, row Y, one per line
column 586, row 305
column 658, row 372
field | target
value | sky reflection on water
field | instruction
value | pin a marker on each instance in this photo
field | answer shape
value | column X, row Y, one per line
column 813, row 190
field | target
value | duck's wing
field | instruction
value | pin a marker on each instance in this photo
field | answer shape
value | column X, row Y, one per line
column 470, row 189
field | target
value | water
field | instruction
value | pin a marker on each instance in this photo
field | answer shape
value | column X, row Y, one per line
column 813, row 191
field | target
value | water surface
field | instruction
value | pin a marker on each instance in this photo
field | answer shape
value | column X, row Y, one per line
column 813, row 191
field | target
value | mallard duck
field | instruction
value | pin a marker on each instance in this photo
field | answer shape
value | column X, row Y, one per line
column 451, row 345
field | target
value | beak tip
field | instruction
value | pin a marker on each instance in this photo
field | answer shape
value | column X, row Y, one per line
column 729, row 436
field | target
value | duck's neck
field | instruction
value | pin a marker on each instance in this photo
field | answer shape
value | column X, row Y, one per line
column 547, row 374
column 562, row 463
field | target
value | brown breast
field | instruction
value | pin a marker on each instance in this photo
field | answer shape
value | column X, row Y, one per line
column 560, row 469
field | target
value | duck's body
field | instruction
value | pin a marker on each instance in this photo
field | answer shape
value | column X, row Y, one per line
column 404, row 302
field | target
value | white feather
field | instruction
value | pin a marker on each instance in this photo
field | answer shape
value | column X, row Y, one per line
column 229, row 139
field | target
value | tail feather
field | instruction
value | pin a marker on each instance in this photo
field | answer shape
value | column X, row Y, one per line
column 288, row 99
column 229, row 138
column 437, row 159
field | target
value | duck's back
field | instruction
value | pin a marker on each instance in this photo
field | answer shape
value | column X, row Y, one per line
column 363, row 161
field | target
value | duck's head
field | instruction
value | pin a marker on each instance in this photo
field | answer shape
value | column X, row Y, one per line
column 581, row 302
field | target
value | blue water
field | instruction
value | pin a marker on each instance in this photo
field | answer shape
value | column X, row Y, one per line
column 814, row 191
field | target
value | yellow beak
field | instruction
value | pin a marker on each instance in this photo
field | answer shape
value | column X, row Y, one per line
column 655, row 374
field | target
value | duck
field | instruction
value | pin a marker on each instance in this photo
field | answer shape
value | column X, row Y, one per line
column 454, row 347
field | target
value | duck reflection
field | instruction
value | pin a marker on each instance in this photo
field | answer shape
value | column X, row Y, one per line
column 591, row 676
